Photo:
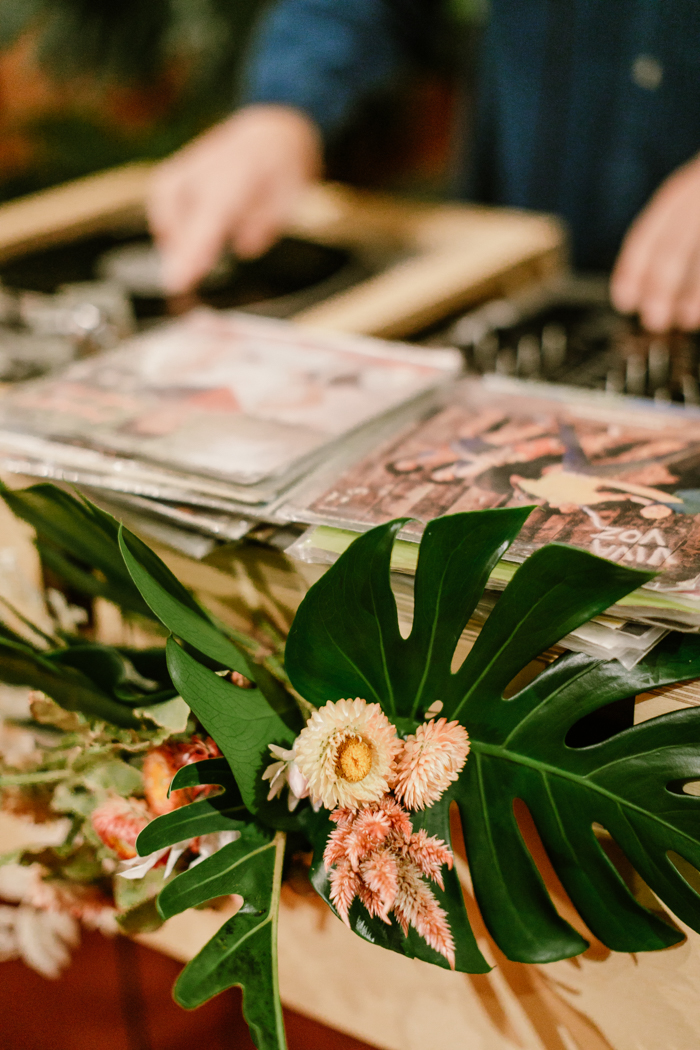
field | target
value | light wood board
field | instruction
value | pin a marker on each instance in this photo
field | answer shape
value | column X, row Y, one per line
column 446, row 256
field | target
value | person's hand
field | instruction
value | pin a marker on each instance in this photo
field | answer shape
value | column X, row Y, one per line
column 237, row 184
column 657, row 273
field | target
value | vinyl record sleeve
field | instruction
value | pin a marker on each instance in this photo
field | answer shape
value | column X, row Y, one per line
column 239, row 400
column 617, row 477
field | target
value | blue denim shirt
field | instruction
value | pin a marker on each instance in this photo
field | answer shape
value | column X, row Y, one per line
column 584, row 106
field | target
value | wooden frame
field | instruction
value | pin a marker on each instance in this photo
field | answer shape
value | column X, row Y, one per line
column 444, row 256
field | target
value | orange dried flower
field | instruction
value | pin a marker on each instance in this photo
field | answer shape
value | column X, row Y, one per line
column 162, row 763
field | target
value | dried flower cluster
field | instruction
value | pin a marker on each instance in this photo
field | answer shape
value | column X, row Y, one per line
column 349, row 754
column 375, row 855
column 350, row 759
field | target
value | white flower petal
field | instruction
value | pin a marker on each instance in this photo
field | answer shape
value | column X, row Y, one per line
column 140, row 866
column 279, row 752
column 298, row 784
column 174, row 856
column 272, row 772
column 227, row 837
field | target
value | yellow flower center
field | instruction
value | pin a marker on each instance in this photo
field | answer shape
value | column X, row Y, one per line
column 354, row 760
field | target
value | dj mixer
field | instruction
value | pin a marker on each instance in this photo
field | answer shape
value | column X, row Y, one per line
column 566, row 331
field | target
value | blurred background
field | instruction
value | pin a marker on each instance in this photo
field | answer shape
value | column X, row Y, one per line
column 87, row 84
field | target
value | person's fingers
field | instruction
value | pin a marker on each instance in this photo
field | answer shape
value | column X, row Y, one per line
column 237, row 182
column 167, row 201
column 657, row 253
column 636, row 254
column 667, row 271
column 687, row 312
column 202, row 223
column 191, row 252
column 256, row 235
column 266, row 217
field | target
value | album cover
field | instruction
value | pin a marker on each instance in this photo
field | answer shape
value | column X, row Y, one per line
column 226, row 396
column 619, row 479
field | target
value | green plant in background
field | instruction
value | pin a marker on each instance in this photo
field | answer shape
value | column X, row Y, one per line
column 184, row 54
column 345, row 642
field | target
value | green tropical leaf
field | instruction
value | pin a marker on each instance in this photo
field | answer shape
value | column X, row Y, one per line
column 243, row 724
column 345, row 641
column 111, row 671
column 243, row 721
column 68, row 686
column 244, row 951
column 224, row 812
column 179, row 612
column 629, row 784
column 75, row 537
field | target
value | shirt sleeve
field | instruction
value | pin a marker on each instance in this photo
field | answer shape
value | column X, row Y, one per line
column 325, row 56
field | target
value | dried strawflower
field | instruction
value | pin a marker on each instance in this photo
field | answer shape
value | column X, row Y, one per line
column 374, row 854
column 429, row 761
column 346, row 753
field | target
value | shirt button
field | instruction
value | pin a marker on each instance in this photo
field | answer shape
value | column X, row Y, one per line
column 647, row 72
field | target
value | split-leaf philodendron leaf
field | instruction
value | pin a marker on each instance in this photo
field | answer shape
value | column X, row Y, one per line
column 244, row 951
column 345, row 642
column 244, row 722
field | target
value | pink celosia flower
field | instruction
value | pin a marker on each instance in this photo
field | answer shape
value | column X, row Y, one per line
column 346, row 753
column 430, row 760
column 415, row 905
column 429, row 853
column 375, row 855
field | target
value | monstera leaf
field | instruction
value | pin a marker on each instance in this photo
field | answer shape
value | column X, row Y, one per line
column 222, row 812
column 244, row 951
column 243, row 721
column 345, row 642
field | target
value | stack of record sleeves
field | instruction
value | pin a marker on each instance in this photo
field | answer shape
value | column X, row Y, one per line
column 207, row 421
column 616, row 476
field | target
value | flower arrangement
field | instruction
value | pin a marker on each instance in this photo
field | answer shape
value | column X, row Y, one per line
column 349, row 759
column 368, row 739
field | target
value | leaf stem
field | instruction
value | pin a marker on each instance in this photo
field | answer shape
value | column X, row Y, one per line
column 279, row 843
column 43, row 777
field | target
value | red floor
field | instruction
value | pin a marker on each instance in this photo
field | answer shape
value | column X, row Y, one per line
column 116, row 996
